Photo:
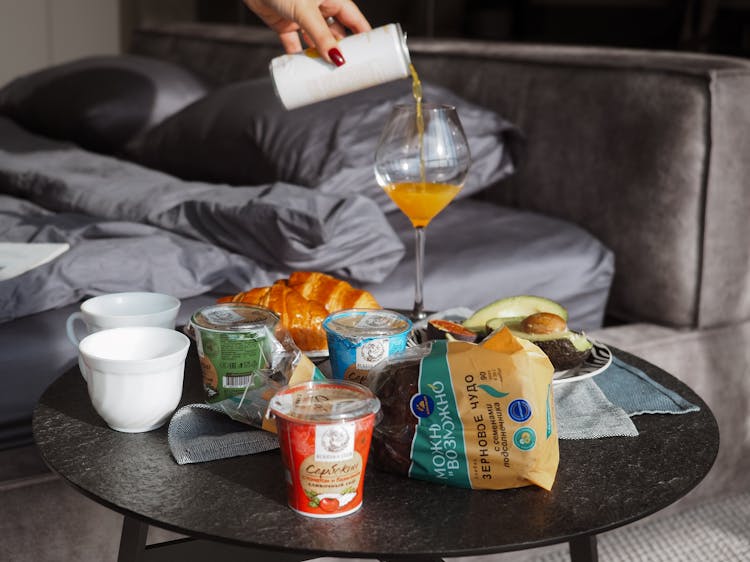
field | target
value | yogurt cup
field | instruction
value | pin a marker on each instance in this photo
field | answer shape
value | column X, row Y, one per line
column 359, row 338
column 235, row 342
column 324, row 430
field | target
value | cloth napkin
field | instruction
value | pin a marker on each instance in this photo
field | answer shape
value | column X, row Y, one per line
column 602, row 405
column 200, row 432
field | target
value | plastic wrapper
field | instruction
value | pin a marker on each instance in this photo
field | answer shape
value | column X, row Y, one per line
column 246, row 356
column 471, row 415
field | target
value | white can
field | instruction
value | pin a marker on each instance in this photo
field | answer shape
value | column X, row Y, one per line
column 372, row 58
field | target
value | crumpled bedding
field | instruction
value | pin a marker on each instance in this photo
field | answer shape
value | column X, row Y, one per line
column 131, row 228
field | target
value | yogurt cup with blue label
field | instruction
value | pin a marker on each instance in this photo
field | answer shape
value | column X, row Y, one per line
column 359, row 339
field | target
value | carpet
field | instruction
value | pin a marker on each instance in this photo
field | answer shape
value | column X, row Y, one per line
column 714, row 531
column 718, row 531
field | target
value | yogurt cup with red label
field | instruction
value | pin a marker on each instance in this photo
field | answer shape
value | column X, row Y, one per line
column 324, row 430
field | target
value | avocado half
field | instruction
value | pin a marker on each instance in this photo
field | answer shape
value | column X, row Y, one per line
column 566, row 349
column 511, row 309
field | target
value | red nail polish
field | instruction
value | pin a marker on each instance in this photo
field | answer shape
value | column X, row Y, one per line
column 336, row 56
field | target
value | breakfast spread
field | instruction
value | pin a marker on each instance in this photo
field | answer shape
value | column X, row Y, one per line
column 303, row 301
column 470, row 406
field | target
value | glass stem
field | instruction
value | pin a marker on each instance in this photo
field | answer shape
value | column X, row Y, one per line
column 418, row 313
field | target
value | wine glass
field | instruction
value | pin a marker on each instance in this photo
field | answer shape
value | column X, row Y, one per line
column 421, row 162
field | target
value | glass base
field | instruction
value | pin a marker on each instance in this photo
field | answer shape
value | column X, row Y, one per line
column 416, row 315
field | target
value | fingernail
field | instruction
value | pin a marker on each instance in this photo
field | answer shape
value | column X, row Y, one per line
column 336, row 56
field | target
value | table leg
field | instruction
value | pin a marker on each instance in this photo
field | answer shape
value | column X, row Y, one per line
column 583, row 549
column 132, row 540
column 415, row 560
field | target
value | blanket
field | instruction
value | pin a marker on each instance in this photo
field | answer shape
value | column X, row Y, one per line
column 131, row 228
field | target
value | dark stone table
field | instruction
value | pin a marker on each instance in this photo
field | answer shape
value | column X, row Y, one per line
column 236, row 507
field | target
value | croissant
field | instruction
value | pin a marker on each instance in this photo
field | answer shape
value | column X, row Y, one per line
column 333, row 293
column 303, row 318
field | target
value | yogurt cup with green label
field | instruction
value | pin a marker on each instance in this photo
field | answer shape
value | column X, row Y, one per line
column 235, row 346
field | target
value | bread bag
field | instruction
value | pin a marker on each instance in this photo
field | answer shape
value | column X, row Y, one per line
column 475, row 416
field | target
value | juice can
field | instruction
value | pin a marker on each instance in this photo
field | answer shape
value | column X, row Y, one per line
column 324, row 429
column 235, row 342
column 372, row 58
column 359, row 338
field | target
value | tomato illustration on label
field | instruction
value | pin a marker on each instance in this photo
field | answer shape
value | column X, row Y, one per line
column 329, row 504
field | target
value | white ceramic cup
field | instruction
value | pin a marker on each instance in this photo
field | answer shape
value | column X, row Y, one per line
column 117, row 310
column 134, row 375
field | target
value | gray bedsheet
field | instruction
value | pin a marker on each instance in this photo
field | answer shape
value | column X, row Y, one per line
column 132, row 228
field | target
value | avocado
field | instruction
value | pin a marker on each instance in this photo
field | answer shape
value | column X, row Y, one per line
column 497, row 323
column 566, row 349
column 512, row 308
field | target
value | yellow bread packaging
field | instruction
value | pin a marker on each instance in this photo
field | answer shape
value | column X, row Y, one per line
column 477, row 416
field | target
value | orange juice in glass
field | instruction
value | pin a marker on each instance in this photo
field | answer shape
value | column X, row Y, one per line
column 421, row 201
column 421, row 162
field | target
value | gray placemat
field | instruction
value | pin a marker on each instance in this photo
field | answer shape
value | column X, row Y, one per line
column 602, row 405
column 636, row 393
column 201, row 432
column 584, row 412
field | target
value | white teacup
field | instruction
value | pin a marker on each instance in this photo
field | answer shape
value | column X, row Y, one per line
column 134, row 375
column 117, row 310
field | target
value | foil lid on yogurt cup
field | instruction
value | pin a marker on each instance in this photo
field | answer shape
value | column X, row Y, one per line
column 233, row 317
column 324, row 402
column 355, row 323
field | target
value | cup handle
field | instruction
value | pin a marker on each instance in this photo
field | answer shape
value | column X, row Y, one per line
column 83, row 368
column 189, row 330
column 70, row 327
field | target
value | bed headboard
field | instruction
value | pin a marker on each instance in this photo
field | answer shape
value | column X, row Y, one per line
column 217, row 53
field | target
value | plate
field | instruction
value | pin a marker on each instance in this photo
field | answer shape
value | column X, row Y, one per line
column 600, row 359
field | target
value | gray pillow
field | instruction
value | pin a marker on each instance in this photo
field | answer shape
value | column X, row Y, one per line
column 100, row 103
column 241, row 134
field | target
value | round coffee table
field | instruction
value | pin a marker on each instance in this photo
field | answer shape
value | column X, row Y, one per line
column 240, row 502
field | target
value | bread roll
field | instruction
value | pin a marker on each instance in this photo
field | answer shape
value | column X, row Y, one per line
column 332, row 293
column 302, row 317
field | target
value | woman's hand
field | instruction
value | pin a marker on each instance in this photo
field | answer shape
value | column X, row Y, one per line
column 287, row 17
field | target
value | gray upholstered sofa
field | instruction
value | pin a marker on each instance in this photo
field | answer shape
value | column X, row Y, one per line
column 644, row 150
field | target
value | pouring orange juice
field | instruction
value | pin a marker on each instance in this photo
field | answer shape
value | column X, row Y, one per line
column 421, row 162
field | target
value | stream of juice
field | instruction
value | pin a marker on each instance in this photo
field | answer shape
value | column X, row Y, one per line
column 416, row 90
column 422, row 200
